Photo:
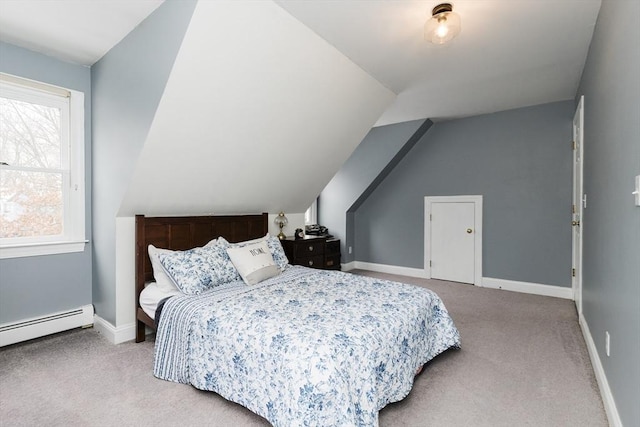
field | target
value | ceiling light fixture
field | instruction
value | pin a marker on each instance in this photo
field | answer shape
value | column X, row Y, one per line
column 443, row 25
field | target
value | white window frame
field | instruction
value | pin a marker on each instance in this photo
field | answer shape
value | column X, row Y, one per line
column 73, row 238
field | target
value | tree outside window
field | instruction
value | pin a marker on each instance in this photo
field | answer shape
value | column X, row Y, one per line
column 31, row 177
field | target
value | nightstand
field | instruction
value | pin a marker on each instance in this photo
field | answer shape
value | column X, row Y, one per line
column 332, row 254
column 313, row 251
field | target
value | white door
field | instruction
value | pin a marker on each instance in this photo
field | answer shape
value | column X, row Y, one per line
column 577, row 205
column 453, row 239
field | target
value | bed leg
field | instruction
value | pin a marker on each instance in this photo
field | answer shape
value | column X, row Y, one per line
column 140, row 331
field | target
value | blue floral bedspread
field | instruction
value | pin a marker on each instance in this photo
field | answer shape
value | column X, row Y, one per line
column 307, row 348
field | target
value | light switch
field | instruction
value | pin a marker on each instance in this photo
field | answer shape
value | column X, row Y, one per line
column 636, row 193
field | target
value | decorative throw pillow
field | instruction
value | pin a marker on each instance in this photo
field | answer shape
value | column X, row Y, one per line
column 275, row 247
column 189, row 270
column 254, row 262
column 162, row 279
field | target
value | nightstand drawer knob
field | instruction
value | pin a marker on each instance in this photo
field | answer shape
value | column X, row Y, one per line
column 310, row 262
column 310, row 248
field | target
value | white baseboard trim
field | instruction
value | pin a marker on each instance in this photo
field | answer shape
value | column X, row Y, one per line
column 390, row 269
column 36, row 327
column 115, row 335
column 348, row 266
column 605, row 391
column 528, row 288
column 488, row 282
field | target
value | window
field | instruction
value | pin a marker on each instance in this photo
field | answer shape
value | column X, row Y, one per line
column 311, row 215
column 41, row 169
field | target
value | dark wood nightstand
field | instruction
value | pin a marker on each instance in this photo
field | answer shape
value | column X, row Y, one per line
column 332, row 254
column 313, row 251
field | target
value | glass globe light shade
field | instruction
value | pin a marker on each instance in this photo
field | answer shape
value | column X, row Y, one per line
column 443, row 26
column 281, row 220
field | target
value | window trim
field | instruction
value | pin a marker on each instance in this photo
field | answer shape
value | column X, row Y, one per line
column 37, row 249
column 74, row 237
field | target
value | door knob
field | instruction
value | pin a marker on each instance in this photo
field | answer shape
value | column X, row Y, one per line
column 575, row 223
column 469, row 230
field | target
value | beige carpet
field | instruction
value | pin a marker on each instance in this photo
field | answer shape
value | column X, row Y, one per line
column 523, row 362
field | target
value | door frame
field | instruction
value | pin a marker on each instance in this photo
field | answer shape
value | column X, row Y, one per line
column 577, row 189
column 477, row 201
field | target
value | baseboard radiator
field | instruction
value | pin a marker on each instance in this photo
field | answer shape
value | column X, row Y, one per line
column 23, row 330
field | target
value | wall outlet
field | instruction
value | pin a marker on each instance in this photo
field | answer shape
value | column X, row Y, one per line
column 350, row 249
column 607, row 343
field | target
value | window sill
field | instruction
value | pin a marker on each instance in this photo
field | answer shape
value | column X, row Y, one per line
column 39, row 249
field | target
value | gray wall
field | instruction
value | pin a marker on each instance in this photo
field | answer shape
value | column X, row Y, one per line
column 128, row 83
column 35, row 286
column 611, row 273
column 366, row 163
column 519, row 160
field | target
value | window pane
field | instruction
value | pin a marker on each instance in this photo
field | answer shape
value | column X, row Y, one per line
column 29, row 134
column 30, row 203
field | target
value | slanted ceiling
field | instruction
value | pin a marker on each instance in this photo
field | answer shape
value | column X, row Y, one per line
column 258, row 114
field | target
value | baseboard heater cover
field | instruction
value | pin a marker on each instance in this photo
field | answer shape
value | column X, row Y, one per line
column 23, row 330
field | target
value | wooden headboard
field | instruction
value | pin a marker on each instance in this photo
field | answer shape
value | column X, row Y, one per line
column 181, row 233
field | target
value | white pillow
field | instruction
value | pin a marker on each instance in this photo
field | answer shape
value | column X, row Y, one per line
column 162, row 279
column 277, row 252
column 254, row 262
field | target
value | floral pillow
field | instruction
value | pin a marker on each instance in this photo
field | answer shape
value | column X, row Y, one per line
column 190, row 270
column 223, row 270
column 277, row 252
column 164, row 281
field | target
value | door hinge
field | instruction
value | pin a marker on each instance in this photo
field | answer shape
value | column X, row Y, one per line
column 430, row 217
column 573, row 145
column 429, row 263
column 573, row 272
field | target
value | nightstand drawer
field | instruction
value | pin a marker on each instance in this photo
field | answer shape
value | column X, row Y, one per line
column 308, row 249
column 313, row 262
column 332, row 248
column 332, row 262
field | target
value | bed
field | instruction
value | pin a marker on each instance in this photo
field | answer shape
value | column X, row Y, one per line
column 181, row 233
column 305, row 347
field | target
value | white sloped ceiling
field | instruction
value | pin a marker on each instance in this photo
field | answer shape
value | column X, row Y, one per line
column 258, row 114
